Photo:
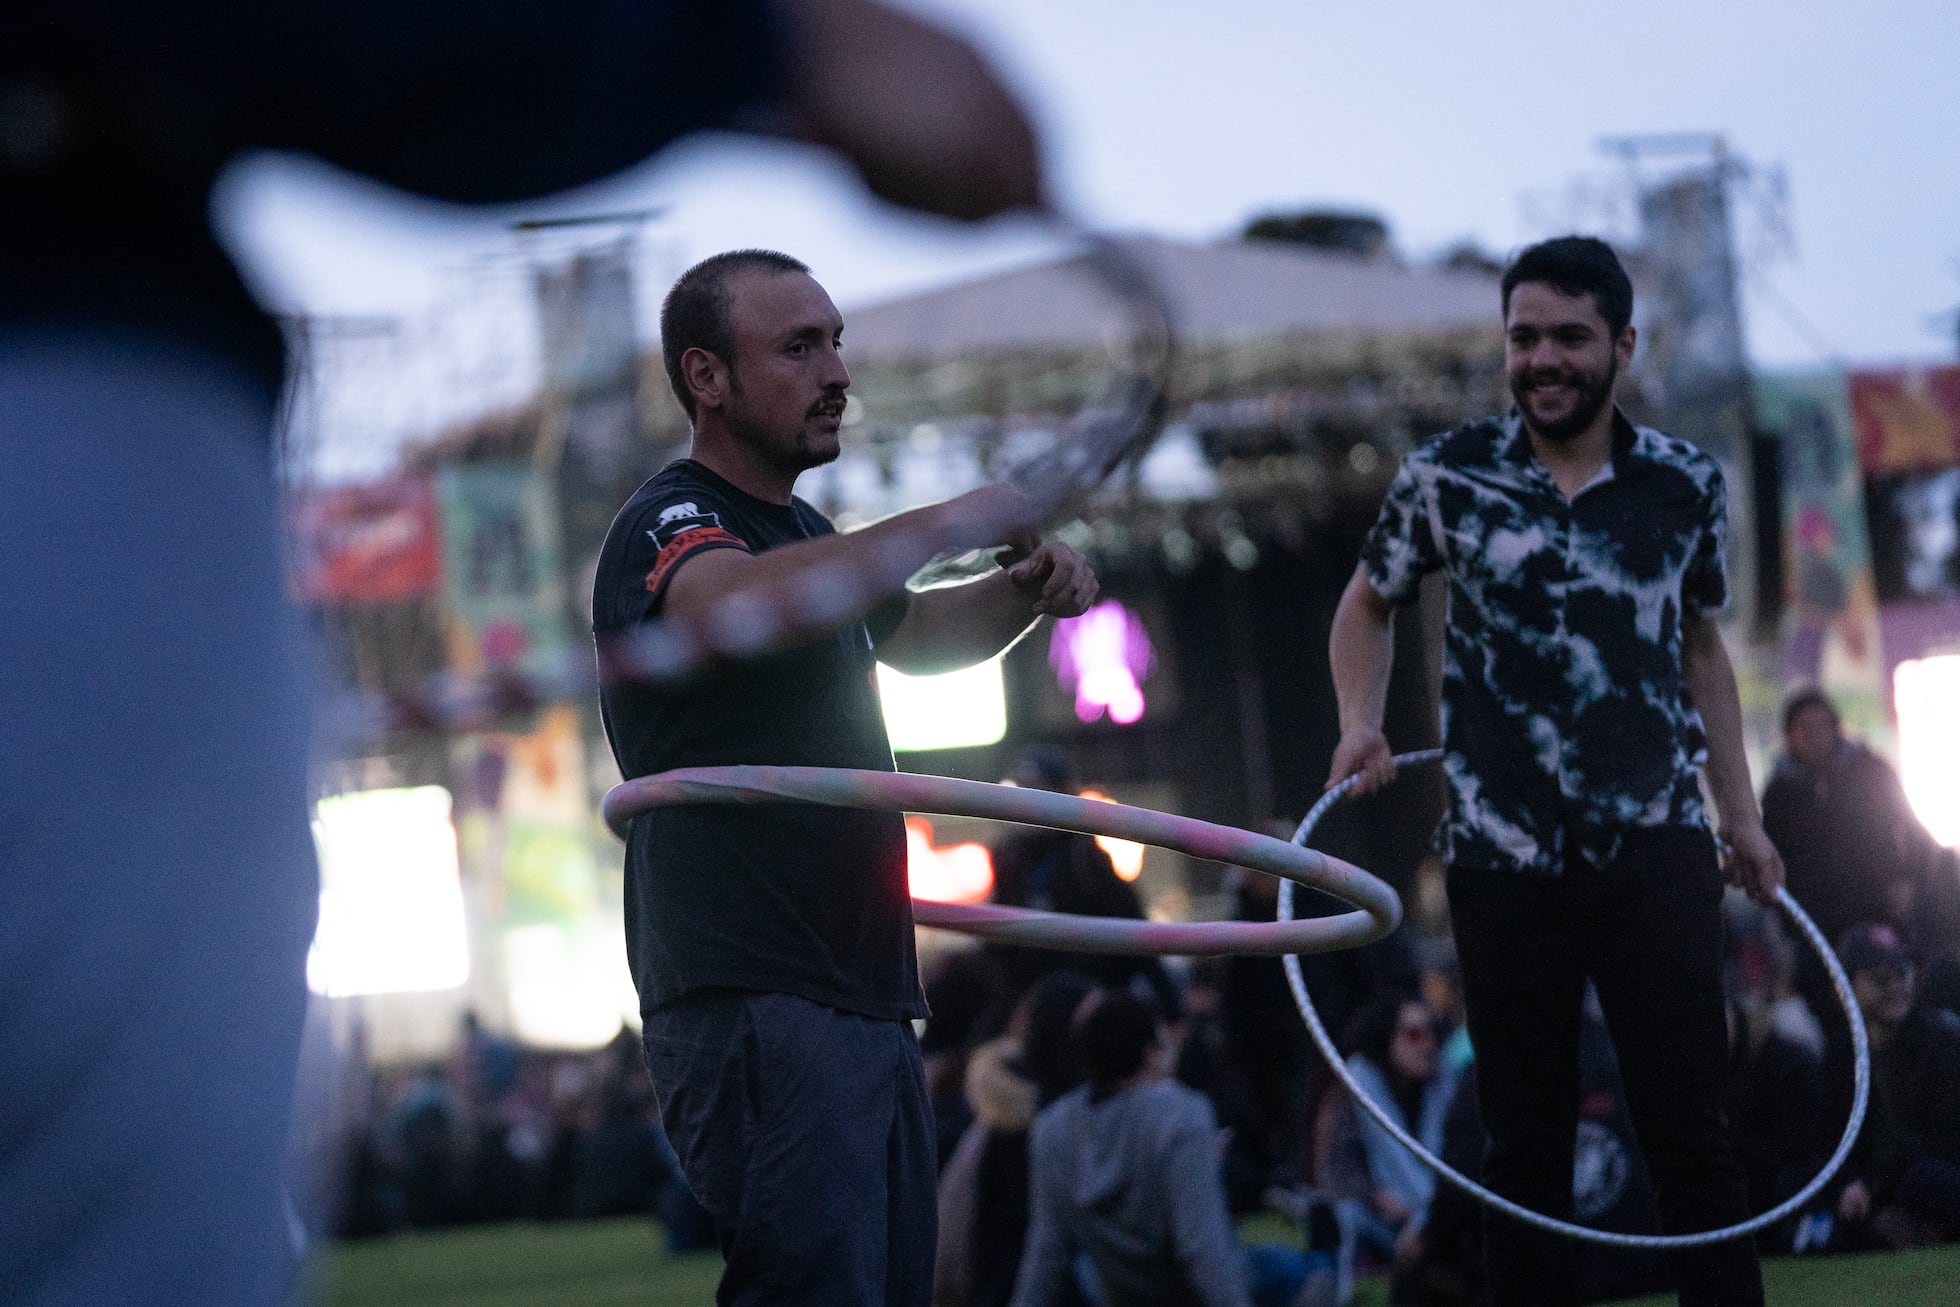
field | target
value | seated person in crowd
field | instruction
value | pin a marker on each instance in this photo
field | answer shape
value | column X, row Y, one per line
column 1381, row 1189
column 1901, row 1185
column 1851, row 845
column 983, row 1188
column 1127, row 1205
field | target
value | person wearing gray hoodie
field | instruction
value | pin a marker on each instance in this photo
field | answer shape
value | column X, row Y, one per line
column 1127, row 1204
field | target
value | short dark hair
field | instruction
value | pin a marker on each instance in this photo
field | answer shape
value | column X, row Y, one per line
column 1113, row 1035
column 1808, row 696
column 1873, row 946
column 1576, row 265
column 695, row 313
column 1371, row 1031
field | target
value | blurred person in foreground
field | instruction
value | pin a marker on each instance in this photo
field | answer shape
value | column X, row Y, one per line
column 772, row 944
column 1900, row 1188
column 1586, row 687
column 1127, row 1207
column 157, row 885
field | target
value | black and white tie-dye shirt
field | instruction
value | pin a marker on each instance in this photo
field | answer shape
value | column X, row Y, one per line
column 1566, row 718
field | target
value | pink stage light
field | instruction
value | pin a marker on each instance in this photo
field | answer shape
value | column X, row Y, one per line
column 1103, row 657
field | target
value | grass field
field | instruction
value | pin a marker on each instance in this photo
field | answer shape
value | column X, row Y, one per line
column 616, row 1263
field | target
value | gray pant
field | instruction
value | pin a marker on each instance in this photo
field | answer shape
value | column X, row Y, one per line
column 806, row 1134
column 157, row 887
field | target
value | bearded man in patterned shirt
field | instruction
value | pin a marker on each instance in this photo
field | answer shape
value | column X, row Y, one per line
column 1586, row 692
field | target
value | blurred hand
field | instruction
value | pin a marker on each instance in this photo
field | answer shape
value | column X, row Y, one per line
column 914, row 108
column 1055, row 578
column 1389, row 1207
column 1752, row 862
column 1362, row 752
column 1854, row 1202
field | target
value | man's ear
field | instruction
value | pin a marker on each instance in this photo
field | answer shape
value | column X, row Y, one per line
column 706, row 376
column 1623, row 347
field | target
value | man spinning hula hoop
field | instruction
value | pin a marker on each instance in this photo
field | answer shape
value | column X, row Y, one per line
column 772, row 944
column 1586, row 686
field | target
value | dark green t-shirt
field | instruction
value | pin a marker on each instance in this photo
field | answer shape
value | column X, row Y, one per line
column 782, row 897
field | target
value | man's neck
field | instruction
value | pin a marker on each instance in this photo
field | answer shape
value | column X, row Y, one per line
column 738, row 465
column 1575, row 462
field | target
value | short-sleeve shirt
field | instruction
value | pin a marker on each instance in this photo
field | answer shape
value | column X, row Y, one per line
column 779, row 897
column 1566, row 716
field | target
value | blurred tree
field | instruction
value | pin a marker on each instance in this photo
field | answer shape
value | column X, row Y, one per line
column 1361, row 234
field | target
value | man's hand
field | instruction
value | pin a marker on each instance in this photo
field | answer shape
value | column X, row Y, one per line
column 1364, row 752
column 1389, row 1207
column 914, row 108
column 1752, row 862
column 1056, row 580
column 1854, row 1202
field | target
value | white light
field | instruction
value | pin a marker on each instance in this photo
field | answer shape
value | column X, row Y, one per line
column 1926, row 692
column 391, row 895
column 954, row 710
column 563, row 989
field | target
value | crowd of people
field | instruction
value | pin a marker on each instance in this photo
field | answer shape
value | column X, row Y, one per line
column 493, row 1132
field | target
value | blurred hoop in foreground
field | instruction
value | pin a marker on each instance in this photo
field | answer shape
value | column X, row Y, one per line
column 1377, row 908
column 1861, row 1075
column 1119, row 427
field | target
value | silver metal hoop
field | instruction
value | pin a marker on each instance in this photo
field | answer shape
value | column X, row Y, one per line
column 1861, row 1075
column 1378, row 909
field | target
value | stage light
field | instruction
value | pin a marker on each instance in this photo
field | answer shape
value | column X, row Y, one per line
column 564, row 990
column 953, row 873
column 954, row 710
column 1125, row 855
column 1103, row 656
column 391, row 895
column 1926, row 693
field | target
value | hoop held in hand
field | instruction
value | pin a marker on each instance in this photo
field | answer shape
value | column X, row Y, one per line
column 1861, row 1075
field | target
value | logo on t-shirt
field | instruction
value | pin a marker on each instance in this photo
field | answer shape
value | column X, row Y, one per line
column 682, row 532
column 676, row 518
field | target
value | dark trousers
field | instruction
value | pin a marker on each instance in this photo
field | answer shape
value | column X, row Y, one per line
column 806, row 1134
column 1647, row 932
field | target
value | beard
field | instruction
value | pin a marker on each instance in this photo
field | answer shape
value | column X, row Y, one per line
column 1593, row 393
column 791, row 450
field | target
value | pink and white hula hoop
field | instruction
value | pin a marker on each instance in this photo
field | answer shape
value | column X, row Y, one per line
column 1377, row 909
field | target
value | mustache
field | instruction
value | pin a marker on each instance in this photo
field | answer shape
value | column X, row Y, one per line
column 831, row 405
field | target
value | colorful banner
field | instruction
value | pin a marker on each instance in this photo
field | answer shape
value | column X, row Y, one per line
column 1831, row 633
column 548, row 915
column 379, row 541
column 1907, row 420
column 503, row 582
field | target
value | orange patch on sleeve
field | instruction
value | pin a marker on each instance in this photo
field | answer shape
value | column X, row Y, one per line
column 685, row 546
